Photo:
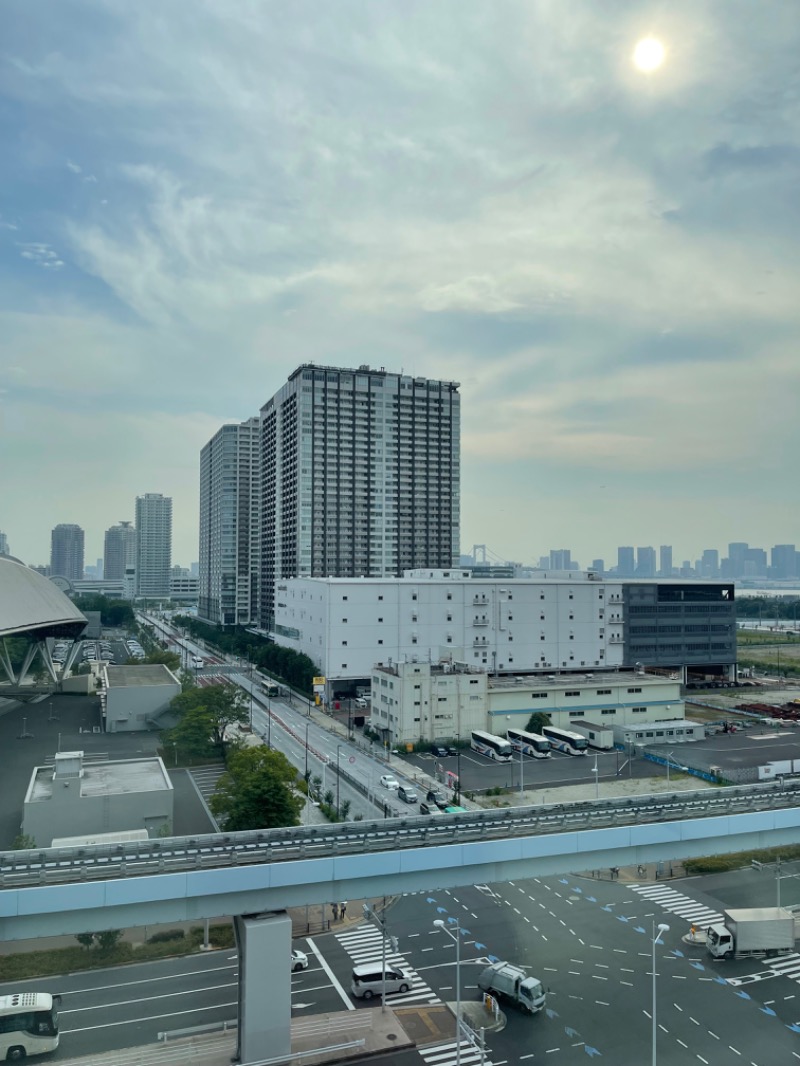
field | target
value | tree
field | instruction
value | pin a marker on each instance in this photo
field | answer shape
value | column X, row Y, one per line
column 256, row 791
column 205, row 714
column 163, row 658
column 23, row 842
column 108, row 940
column 537, row 721
column 85, row 939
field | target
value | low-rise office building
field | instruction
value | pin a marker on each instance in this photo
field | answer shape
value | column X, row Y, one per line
column 425, row 702
column 133, row 697
column 73, row 797
column 671, row 731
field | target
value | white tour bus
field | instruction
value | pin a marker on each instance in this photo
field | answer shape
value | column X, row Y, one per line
column 529, row 743
column 565, row 740
column 491, row 746
column 28, row 1025
column 368, row 980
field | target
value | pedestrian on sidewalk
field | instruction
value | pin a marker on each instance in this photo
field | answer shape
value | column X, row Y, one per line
column 343, row 909
column 335, row 909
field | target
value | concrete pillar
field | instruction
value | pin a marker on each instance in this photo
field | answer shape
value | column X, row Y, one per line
column 265, row 986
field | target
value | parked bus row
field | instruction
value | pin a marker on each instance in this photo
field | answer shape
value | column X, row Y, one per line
column 536, row 745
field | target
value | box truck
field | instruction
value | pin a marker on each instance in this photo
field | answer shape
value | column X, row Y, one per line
column 752, row 931
column 512, row 984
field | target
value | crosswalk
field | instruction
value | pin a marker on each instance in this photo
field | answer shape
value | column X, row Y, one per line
column 676, row 903
column 786, row 966
column 364, row 944
column 446, row 1054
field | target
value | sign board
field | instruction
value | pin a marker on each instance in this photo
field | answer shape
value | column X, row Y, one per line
column 319, row 684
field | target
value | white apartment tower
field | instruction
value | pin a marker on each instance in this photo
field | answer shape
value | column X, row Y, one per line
column 360, row 476
column 119, row 550
column 229, row 525
column 153, row 545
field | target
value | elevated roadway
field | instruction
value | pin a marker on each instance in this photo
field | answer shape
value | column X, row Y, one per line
column 57, row 891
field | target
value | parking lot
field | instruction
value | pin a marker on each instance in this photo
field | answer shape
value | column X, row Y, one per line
column 479, row 773
column 737, row 751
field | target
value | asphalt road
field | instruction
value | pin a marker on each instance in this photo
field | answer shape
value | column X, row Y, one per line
column 590, row 942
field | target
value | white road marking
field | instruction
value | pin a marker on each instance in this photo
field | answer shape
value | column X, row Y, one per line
column 331, row 976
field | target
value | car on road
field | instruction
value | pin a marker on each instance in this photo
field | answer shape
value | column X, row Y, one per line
column 452, row 750
column 437, row 798
column 440, row 751
column 299, row 961
column 390, row 781
column 198, row 662
column 406, row 794
column 429, row 808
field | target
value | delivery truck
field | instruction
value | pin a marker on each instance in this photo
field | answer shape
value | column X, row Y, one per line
column 512, row 984
column 752, row 931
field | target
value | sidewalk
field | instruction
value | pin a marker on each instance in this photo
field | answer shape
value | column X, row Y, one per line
column 647, row 871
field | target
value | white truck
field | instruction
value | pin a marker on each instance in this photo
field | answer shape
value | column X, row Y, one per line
column 752, row 931
column 512, row 984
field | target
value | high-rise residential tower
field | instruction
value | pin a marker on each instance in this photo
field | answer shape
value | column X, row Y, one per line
column 4, row 550
column 646, row 561
column 230, row 534
column 153, row 544
column 66, row 552
column 625, row 561
column 665, row 560
column 360, row 476
column 119, row 550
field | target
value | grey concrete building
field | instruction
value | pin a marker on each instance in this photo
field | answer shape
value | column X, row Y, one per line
column 66, row 551
column 73, row 797
column 153, row 545
column 119, row 551
column 230, row 490
column 360, row 476
column 4, row 549
column 133, row 697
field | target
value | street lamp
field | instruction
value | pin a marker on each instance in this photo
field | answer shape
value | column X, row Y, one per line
column 338, row 776
column 596, row 772
column 656, row 940
column 439, row 924
column 457, row 791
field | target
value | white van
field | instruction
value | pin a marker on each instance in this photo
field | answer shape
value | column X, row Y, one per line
column 368, row 980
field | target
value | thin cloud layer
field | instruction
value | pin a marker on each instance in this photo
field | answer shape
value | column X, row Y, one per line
column 213, row 193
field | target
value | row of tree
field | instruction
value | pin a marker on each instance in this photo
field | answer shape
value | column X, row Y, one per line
column 785, row 608
column 290, row 666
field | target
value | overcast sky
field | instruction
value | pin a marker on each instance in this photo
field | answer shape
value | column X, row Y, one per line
column 195, row 197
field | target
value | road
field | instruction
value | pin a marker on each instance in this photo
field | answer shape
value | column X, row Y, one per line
column 589, row 941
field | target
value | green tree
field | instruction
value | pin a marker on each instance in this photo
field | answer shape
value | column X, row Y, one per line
column 108, row 940
column 23, row 842
column 256, row 791
column 163, row 658
column 204, row 716
column 537, row 721
column 192, row 734
column 85, row 940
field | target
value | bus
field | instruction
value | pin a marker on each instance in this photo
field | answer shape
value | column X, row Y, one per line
column 491, row 746
column 529, row 743
column 565, row 740
column 28, row 1025
column 270, row 688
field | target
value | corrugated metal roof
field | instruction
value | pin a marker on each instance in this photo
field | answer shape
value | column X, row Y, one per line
column 29, row 601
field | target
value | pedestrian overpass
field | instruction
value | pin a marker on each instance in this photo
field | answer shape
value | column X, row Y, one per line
column 255, row 876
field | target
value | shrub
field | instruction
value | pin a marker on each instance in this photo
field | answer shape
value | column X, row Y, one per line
column 166, row 935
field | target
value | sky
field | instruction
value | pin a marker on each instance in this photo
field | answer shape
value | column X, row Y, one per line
column 196, row 197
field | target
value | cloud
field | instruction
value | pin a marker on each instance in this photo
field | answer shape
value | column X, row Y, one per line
column 74, row 167
column 40, row 253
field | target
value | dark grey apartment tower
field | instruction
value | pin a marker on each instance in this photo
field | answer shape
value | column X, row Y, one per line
column 646, row 562
column 66, row 552
column 119, row 550
column 360, row 476
column 229, row 525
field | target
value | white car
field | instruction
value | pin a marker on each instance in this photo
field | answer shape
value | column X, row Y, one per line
column 390, row 782
column 198, row 662
column 299, row 961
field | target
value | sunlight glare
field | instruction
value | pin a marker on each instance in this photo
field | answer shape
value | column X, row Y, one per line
column 648, row 55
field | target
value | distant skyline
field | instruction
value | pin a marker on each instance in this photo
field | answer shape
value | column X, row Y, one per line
column 197, row 198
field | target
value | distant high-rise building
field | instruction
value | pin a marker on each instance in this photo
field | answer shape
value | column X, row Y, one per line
column 599, row 566
column 66, row 552
column 783, row 559
column 560, row 559
column 360, row 476
column 709, row 563
column 153, row 544
column 755, row 563
column 119, row 550
column 194, row 569
column 230, row 490
column 665, row 560
column 646, row 562
column 4, row 549
column 737, row 553
column 626, row 565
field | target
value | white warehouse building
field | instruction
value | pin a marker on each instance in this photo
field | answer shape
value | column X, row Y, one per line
column 347, row 625
column 424, row 702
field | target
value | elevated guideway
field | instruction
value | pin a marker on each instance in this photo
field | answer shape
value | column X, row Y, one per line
column 57, row 891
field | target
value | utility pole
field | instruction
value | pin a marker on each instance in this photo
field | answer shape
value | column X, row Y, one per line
column 381, row 923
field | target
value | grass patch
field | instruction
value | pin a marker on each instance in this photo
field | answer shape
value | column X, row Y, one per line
column 76, row 959
column 713, row 864
column 746, row 637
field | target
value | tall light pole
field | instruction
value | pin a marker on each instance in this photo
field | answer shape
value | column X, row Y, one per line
column 338, row 776
column 441, row 925
column 596, row 772
column 656, row 940
column 669, row 756
column 521, row 772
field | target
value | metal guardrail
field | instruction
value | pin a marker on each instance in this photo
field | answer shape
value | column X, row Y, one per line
column 223, row 850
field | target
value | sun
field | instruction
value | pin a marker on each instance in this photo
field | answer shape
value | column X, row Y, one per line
column 648, row 55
